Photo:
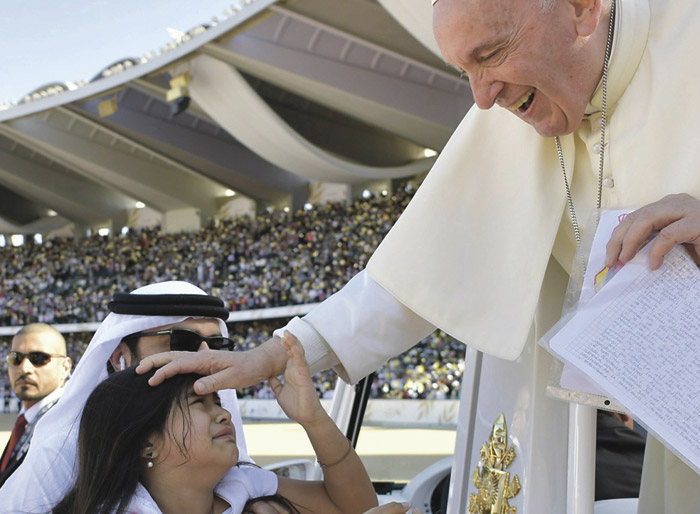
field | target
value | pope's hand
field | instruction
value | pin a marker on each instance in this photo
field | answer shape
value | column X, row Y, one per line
column 677, row 217
column 393, row 508
column 222, row 369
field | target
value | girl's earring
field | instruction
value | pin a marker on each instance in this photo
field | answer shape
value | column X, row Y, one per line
column 149, row 457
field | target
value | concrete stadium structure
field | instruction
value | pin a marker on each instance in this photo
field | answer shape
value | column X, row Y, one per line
column 274, row 105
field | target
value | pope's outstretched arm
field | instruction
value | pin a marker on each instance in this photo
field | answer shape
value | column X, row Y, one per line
column 354, row 332
column 358, row 328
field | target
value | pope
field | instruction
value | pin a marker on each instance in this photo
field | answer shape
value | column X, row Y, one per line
column 578, row 107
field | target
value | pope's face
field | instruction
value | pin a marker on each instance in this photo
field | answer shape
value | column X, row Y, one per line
column 521, row 58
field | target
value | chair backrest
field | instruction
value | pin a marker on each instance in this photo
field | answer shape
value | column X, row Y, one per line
column 617, row 506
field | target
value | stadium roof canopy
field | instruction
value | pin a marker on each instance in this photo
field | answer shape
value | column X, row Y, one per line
column 266, row 102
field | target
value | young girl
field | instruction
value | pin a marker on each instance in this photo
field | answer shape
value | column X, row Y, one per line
column 165, row 449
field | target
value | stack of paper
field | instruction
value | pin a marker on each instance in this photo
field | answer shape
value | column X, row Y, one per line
column 638, row 338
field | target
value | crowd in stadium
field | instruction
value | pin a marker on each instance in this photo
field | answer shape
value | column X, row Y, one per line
column 275, row 259
column 272, row 260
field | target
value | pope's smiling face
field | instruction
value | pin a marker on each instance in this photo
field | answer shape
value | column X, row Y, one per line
column 541, row 64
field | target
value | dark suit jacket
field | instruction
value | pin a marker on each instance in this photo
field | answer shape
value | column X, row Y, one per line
column 24, row 448
column 11, row 467
column 619, row 458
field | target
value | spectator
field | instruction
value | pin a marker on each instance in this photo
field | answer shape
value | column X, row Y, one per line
column 38, row 370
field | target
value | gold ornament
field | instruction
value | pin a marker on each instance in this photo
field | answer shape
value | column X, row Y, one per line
column 490, row 478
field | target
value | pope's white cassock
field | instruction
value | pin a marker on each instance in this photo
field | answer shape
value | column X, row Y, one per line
column 484, row 249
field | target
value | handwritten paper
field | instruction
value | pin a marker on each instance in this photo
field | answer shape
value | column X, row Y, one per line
column 571, row 377
column 638, row 338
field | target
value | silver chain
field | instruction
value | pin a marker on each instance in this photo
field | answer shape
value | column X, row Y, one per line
column 603, row 124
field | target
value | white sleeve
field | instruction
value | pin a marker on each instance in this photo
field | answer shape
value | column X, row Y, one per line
column 357, row 329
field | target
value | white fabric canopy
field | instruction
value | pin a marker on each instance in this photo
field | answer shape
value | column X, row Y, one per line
column 225, row 95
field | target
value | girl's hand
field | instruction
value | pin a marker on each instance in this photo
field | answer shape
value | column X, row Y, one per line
column 297, row 396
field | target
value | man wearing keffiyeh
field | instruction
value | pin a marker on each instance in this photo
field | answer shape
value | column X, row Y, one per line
column 49, row 468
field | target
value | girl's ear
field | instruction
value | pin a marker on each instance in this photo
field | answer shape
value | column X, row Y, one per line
column 152, row 447
column 149, row 452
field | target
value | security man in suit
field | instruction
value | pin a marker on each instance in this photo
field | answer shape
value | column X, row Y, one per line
column 38, row 368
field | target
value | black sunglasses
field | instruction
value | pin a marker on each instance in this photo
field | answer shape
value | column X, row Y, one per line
column 37, row 359
column 183, row 340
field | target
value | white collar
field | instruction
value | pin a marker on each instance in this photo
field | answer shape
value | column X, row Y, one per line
column 34, row 410
column 631, row 29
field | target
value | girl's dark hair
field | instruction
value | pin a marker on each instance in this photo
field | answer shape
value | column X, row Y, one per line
column 118, row 417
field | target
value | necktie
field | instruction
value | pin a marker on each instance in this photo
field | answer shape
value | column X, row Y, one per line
column 17, row 432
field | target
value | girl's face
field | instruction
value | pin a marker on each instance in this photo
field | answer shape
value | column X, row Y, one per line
column 204, row 437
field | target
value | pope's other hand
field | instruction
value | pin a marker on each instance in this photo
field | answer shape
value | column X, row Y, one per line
column 676, row 217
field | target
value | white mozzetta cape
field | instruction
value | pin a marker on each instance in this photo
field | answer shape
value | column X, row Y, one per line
column 469, row 254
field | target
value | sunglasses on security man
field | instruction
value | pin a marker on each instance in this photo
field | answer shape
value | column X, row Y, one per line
column 183, row 340
column 37, row 359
